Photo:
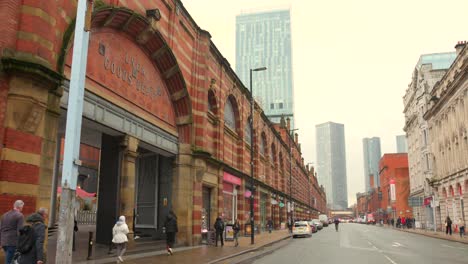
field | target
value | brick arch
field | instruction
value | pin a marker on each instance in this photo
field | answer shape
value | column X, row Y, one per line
column 459, row 190
column 150, row 41
column 444, row 192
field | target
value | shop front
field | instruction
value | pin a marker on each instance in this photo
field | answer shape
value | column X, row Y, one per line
column 231, row 184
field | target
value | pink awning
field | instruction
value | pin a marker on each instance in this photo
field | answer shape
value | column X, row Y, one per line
column 80, row 192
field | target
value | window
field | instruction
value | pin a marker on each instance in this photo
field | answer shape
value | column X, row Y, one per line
column 262, row 145
column 229, row 117
column 280, row 105
column 272, row 106
column 248, row 132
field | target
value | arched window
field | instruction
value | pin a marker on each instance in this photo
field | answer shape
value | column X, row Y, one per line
column 229, row 116
column 248, row 132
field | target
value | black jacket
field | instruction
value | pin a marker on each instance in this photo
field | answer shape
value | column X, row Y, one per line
column 236, row 227
column 37, row 252
column 171, row 224
column 219, row 225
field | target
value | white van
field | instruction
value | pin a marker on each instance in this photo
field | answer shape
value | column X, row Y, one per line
column 324, row 219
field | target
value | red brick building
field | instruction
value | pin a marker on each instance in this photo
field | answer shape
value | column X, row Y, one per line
column 394, row 169
column 165, row 110
column 378, row 201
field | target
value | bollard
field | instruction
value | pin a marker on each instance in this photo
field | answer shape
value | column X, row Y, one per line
column 90, row 245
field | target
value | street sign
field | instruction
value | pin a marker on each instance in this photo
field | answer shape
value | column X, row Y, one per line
column 281, row 205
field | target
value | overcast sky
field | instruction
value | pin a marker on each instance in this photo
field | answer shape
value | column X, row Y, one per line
column 352, row 61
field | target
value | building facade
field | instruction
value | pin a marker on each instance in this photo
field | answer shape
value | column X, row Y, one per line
column 166, row 114
column 372, row 154
column 401, row 144
column 331, row 163
column 394, row 170
column 428, row 71
column 447, row 119
column 263, row 39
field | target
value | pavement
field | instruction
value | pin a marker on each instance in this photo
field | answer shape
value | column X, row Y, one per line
column 202, row 254
column 437, row 234
column 357, row 244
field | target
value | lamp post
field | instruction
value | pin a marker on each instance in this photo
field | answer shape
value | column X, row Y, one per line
column 252, row 217
column 291, row 216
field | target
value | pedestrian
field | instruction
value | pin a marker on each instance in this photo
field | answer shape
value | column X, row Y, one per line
column 461, row 226
column 171, row 229
column 236, row 228
column 398, row 223
column 119, row 237
column 393, row 222
column 31, row 239
column 270, row 225
column 10, row 224
column 448, row 226
column 219, row 227
column 403, row 222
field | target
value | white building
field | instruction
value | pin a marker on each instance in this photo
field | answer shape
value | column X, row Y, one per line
column 447, row 119
column 428, row 71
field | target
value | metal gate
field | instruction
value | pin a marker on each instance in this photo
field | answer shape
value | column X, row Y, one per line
column 147, row 191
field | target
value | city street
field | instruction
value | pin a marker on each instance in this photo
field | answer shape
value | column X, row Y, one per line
column 356, row 243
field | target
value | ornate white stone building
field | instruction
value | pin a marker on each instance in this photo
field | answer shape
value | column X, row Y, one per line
column 428, row 71
column 447, row 119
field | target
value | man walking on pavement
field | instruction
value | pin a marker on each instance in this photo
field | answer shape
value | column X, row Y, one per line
column 270, row 225
column 448, row 226
column 10, row 224
column 219, row 227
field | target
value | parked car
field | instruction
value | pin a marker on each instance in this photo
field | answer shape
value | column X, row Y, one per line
column 301, row 228
column 318, row 224
column 311, row 224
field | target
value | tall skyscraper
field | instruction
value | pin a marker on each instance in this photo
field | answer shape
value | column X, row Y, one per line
column 401, row 144
column 331, row 163
column 263, row 39
column 372, row 154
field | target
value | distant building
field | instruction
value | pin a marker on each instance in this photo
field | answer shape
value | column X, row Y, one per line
column 429, row 70
column 372, row 154
column 401, row 144
column 263, row 39
column 394, row 169
column 331, row 163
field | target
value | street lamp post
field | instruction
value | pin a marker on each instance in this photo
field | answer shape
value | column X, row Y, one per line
column 291, row 211
column 252, row 228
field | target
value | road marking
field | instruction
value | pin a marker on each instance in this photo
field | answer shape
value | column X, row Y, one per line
column 396, row 244
column 389, row 259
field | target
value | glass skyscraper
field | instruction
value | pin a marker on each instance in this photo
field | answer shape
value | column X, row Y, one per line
column 331, row 163
column 263, row 39
column 372, row 154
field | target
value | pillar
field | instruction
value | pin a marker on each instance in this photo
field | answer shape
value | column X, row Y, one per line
column 128, row 180
column 182, row 195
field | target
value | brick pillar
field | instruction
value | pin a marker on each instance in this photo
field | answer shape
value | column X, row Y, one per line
column 197, row 207
column 276, row 218
column 241, row 206
column 128, row 180
column 182, row 194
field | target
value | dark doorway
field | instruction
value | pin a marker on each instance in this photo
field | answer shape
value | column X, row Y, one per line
column 108, row 195
column 206, row 209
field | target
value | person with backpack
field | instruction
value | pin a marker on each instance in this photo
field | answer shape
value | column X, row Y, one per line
column 171, row 228
column 10, row 224
column 31, row 239
column 119, row 237
column 219, row 228
column 236, row 228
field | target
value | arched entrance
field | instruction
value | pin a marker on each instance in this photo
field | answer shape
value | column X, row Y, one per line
column 137, row 113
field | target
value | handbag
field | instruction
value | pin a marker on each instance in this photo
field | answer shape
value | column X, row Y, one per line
column 16, row 258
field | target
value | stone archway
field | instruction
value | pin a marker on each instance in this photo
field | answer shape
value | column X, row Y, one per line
column 144, row 32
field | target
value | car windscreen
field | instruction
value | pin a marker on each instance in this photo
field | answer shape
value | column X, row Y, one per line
column 299, row 224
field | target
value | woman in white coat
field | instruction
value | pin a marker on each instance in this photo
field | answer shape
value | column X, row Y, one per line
column 119, row 238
